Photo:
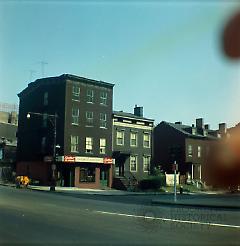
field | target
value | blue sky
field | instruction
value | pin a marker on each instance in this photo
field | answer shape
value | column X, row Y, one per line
column 162, row 55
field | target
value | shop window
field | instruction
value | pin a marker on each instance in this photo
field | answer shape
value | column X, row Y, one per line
column 87, row 174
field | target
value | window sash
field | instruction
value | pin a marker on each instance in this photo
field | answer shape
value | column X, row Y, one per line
column 90, row 95
column 74, row 143
column 103, row 120
column 146, row 140
column 102, row 145
column 89, row 118
column 199, row 151
column 133, row 139
column 146, row 163
column 89, row 144
column 75, row 116
column 190, row 150
column 120, row 137
column 45, row 99
column 133, row 163
column 76, row 91
column 103, row 98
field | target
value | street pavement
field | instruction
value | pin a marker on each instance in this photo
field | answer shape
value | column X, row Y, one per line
column 50, row 218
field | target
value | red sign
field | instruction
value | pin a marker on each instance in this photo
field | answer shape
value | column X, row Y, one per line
column 175, row 167
column 68, row 158
column 108, row 160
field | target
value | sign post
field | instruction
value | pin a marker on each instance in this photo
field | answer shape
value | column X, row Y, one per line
column 175, row 180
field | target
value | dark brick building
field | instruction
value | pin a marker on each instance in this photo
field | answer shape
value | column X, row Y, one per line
column 132, row 144
column 83, row 131
column 189, row 146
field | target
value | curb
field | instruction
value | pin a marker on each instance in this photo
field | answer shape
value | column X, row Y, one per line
column 179, row 203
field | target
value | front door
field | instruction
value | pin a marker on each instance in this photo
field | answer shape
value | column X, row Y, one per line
column 104, row 174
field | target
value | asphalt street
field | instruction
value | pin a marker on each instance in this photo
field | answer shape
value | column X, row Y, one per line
column 42, row 218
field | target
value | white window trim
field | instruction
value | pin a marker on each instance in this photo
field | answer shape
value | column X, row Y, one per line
column 87, row 145
column 149, row 146
column 122, row 131
column 76, row 145
column 146, row 156
column 136, row 163
column 135, row 133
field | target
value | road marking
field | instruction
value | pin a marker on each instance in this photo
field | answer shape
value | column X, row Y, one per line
column 170, row 220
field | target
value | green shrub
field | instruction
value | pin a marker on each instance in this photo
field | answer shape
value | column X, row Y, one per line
column 152, row 183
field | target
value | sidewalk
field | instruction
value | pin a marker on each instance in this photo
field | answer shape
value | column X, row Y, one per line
column 225, row 201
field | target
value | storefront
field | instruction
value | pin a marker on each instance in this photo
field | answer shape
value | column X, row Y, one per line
column 85, row 172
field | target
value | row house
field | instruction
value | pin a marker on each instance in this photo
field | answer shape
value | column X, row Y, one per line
column 132, row 144
column 70, row 119
column 188, row 145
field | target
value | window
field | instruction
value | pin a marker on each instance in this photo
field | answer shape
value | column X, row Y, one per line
column 120, row 137
column 194, row 131
column 133, row 139
column 45, row 118
column 87, row 174
column 75, row 116
column 90, row 95
column 199, row 151
column 76, row 92
column 89, row 118
column 102, row 145
column 103, row 97
column 190, row 151
column 103, row 120
column 133, row 163
column 146, row 140
column 146, row 163
column 89, row 145
column 45, row 98
column 74, row 143
column 43, row 144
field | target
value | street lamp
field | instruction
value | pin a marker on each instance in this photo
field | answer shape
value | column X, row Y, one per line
column 53, row 119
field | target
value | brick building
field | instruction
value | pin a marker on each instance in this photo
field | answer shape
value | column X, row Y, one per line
column 80, row 110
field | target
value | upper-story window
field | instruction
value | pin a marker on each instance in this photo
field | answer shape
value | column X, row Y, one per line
column 103, row 97
column 43, row 144
column 146, row 140
column 89, row 145
column 102, row 145
column 190, row 150
column 45, row 118
column 45, row 98
column 76, row 92
column 74, row 143
column 103, row 120
column 133, row 163
column 120, row 138
column 199, row 151
column 133, row 139
column 75, row 116
column 89, row 118
column 90, row 95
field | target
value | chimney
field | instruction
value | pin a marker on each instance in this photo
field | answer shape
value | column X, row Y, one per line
column 222, row 128
column 138, row 111
column 207, row 127
column 199, row 123
column 178, row 123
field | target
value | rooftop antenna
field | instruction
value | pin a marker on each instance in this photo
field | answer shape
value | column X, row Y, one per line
column 31, row 74
column 43, row 63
